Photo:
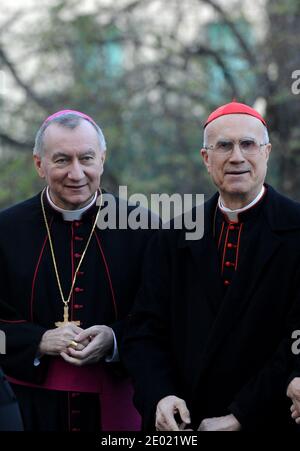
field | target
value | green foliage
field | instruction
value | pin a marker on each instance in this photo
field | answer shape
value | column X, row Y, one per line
column 18, row 179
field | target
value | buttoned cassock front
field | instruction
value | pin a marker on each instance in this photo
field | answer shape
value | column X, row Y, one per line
column 223, row 351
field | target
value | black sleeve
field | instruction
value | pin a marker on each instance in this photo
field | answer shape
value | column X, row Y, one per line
column 267, row 389
column 145, row 349
column 21, row 340
column 10, row 417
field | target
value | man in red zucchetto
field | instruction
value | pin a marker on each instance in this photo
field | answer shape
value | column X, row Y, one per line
column 214, row 316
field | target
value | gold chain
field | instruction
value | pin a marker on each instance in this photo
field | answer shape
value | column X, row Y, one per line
column 66, row 301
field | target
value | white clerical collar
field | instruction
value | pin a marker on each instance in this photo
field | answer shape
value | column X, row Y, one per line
column 233, row 214
column 71, row 215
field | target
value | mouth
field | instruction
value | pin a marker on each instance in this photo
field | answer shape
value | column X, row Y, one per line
column 237, row 172
column 75, row 187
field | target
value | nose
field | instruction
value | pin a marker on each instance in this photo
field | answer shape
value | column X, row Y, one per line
column 236, row 155
column 75, row 172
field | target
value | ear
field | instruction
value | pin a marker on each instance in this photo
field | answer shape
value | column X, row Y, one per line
column 268, row 150
column 205, row 157
column 103, row 156
column 39, row 165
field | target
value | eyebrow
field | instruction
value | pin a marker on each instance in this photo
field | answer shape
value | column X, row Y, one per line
column 66, row 155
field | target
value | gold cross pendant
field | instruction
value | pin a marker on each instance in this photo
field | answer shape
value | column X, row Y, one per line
column 66, row 319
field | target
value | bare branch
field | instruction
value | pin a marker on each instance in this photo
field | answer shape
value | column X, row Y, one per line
column 206, row 51
column 243, row 44
column 19, row 145
column 30, row 93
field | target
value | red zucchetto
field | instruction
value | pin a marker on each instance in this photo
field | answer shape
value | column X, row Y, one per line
column 234, row 108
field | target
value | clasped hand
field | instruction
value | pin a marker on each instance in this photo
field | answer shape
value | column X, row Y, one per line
column 93, row 343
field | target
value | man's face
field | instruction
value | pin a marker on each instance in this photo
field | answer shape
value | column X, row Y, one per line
column 72, row 164
column 238, row 177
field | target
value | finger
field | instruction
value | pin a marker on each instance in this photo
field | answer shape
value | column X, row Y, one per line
column 71, row 359
column 89, row 332
column 292, row 408
column 85, row 353
column 167, row 423
column 183, row 412
column 203, row 425
column 297, row 420
column 297, row 405
column 74, row 328
column 79, row 347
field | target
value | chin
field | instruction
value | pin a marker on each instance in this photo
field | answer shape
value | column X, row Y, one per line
column 237, row 188
column 76, row 203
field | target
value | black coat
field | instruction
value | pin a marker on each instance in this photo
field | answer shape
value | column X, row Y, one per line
column 30, row 302
column 10, row 417
column 221, row 353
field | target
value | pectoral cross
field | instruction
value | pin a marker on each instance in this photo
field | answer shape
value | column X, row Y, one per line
column 66, row 319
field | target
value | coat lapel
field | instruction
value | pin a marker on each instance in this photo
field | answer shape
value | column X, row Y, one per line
column 257, row 257
column 205, row 259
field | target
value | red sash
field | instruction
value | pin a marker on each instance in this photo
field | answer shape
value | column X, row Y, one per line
column 117, row 410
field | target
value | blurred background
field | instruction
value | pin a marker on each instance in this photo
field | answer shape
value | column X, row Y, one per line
column 149, row 72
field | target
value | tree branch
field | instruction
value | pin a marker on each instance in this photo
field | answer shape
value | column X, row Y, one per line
column 244, row 46
column 19, row 145
column 30, row 93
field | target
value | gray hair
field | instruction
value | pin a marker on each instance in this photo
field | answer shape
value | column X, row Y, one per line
column 68, row 120
column 266, row 137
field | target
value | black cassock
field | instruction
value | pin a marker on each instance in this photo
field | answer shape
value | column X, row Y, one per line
column 104, row 291
column 10, row 417
column 215, row 316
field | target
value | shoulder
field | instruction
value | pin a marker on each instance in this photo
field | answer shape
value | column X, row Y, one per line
column 282, row 212
column 20, row 212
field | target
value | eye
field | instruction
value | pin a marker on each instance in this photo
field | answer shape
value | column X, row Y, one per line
column 60, row 160
column 224, row 146
column 247, row 143
column 87, row 158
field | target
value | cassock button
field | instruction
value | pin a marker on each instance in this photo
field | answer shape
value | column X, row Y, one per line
column 78, row 290
column 78, row 238
column 80, row 273
column 229, row 245
column 77, row 224
column 75, row 394
column 229, row 264
column 78, row 306
column 226, row 282
column 77, row 255
column 231, row 227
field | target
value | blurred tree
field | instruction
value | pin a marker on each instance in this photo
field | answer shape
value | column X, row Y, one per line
column 146, row 71
column 282, row 57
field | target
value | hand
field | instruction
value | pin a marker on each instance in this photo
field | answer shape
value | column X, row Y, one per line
column 56, row 341
column 227, row 423
column 293, row 392
column 295, row 414
column 101, row 341
column 166, row 410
